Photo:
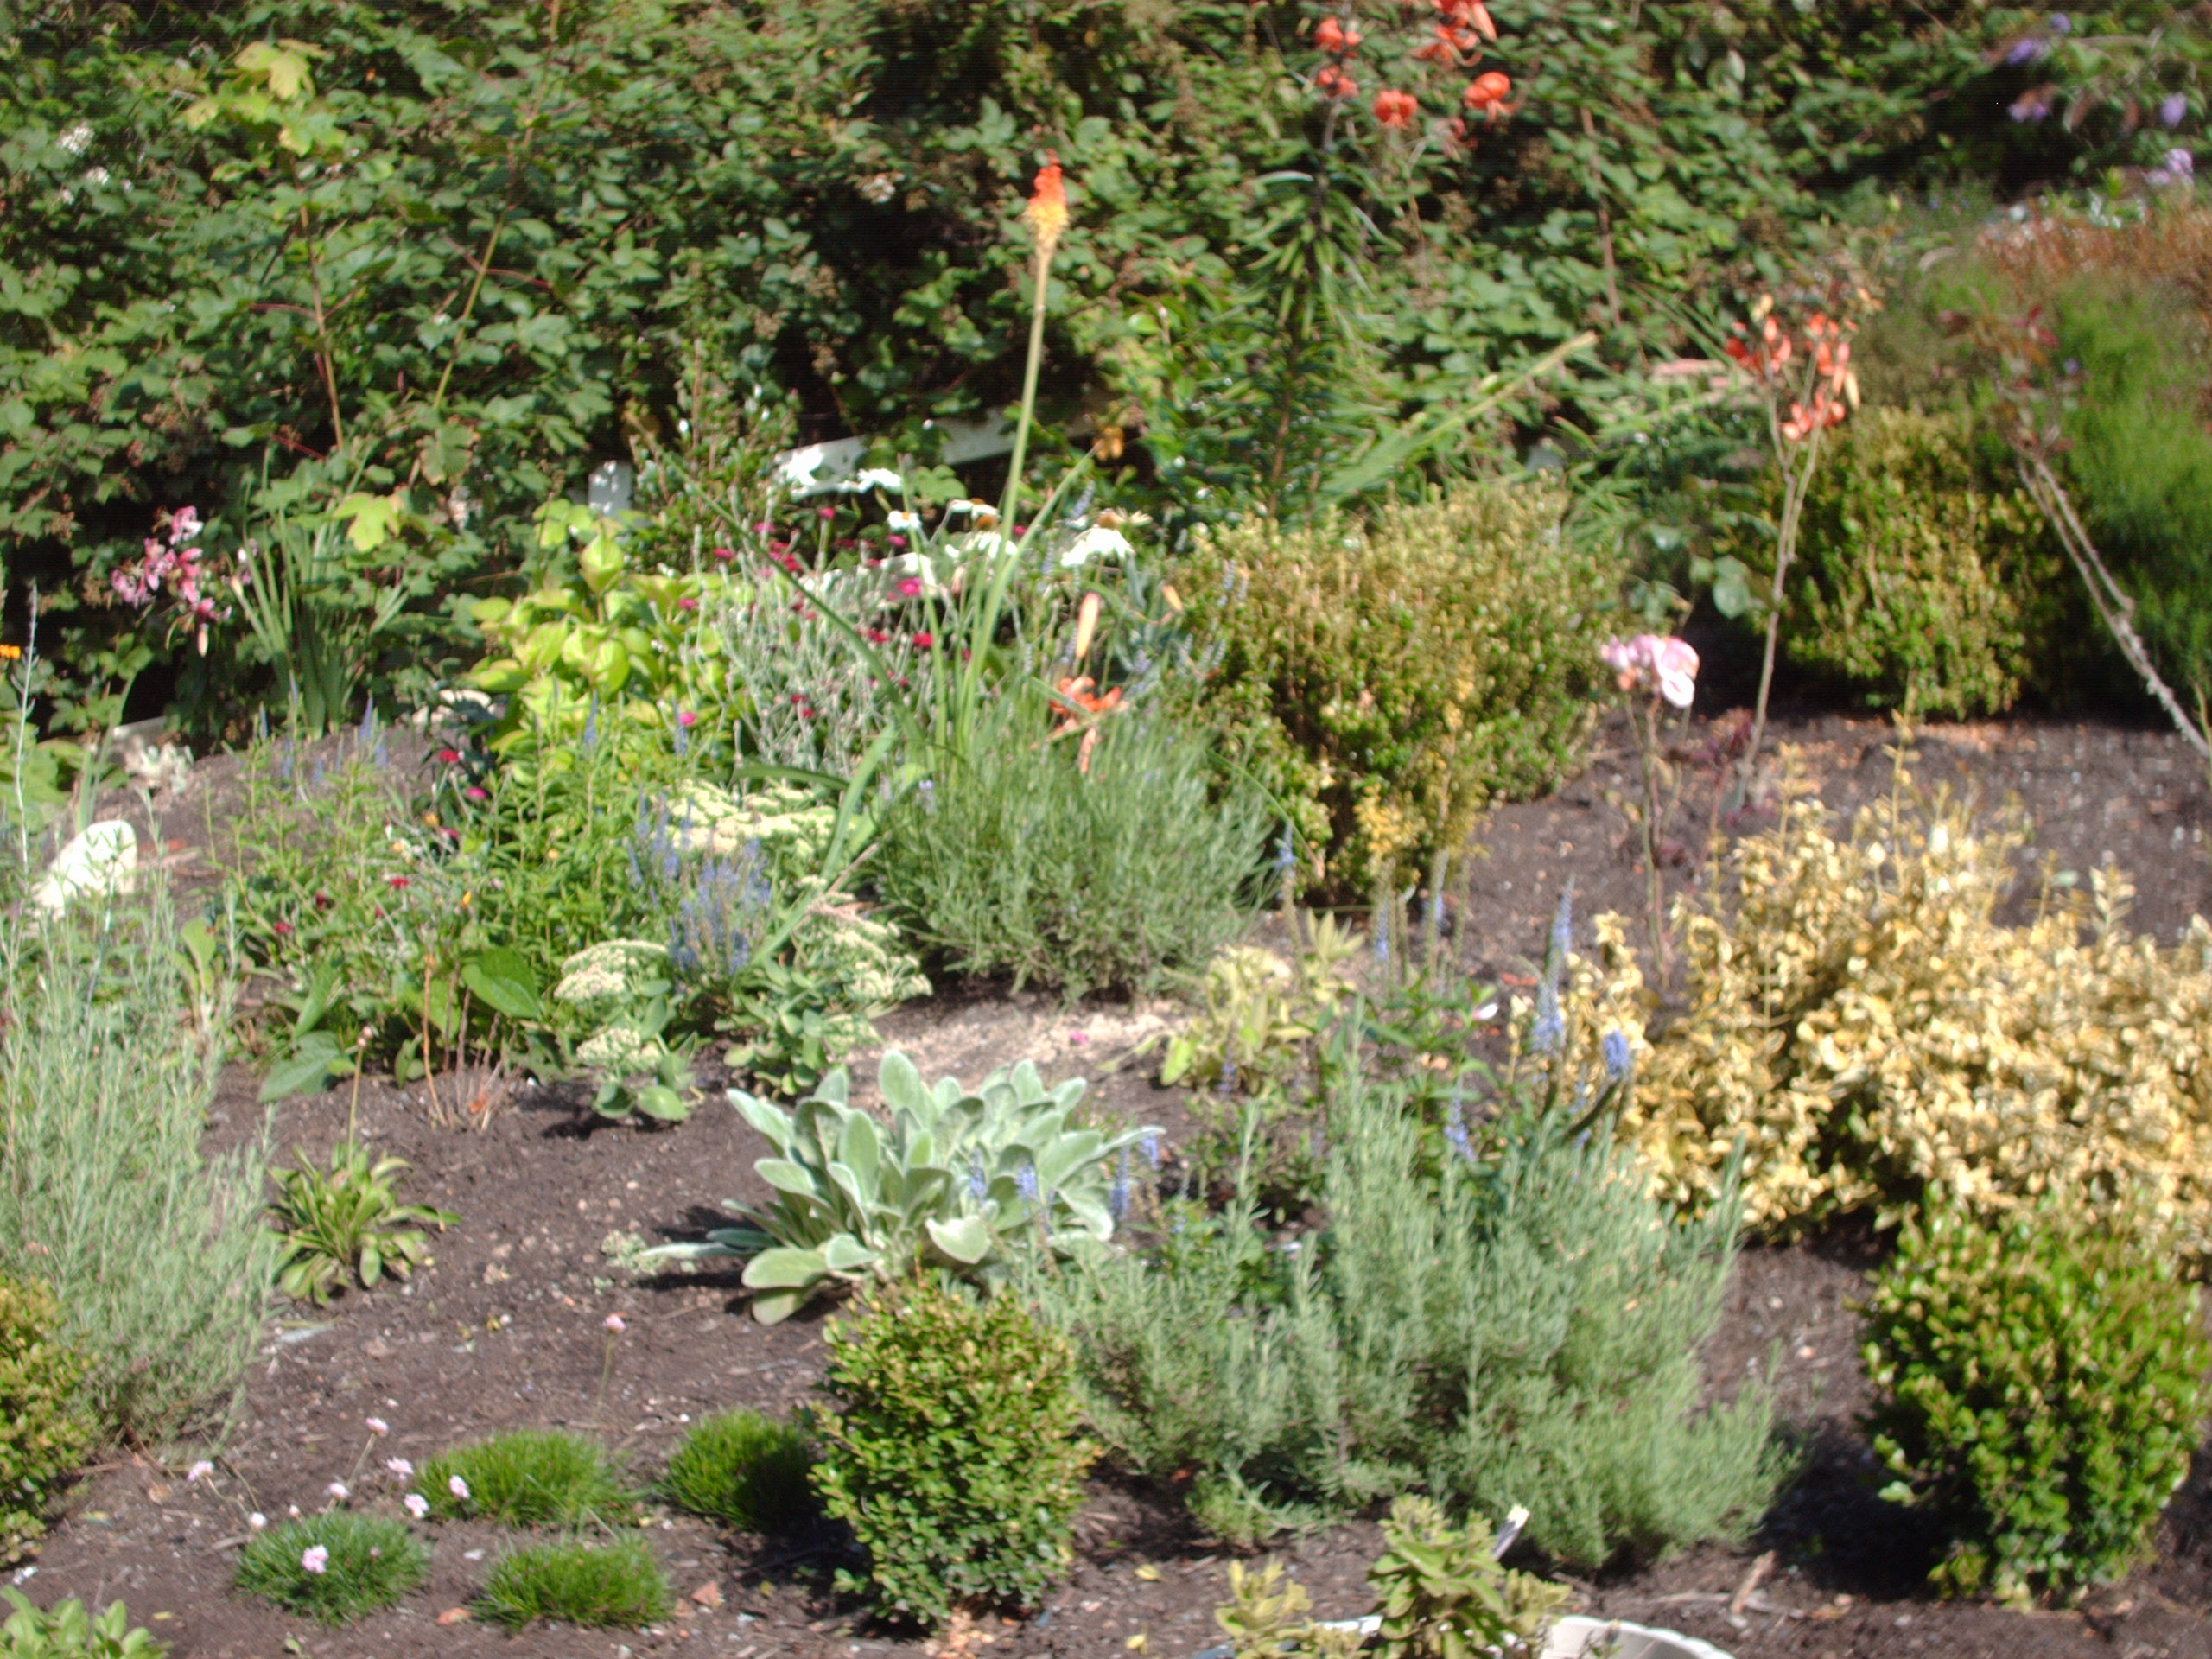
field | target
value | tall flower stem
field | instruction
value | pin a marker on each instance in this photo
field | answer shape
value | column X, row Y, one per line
column 1011, row 499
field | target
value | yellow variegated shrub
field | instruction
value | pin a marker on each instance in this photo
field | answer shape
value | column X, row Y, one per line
column 1858, row 1018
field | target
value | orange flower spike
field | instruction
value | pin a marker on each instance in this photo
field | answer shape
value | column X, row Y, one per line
column 1047, row 213
column 1086, row 624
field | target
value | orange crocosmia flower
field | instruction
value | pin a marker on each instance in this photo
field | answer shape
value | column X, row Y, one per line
column 1047, row 213
column 1478, row 15
column 1333, row 81
column 1487, row 91
column 1395, row 108
column 1444, row 49
column 1333, row 37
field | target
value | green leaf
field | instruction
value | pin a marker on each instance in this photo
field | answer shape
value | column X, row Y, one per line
column 658, row 1100
column 785, row 1268
column 372, row 519
column 966, row 1241
column 500, row 978
column 306, row 1070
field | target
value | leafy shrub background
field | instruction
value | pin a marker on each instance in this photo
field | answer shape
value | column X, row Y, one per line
column 44, row 1434
column 1517, row 1326
column 1928, row 579
column 816, row 198
column 949, row 1447
column 1388, row 681
column 1855, row 1013
column 1012, row 861
column 2043, row 1390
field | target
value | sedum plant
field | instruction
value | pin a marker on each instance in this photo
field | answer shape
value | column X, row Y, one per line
column 1446, row 1596
column 948, row 1181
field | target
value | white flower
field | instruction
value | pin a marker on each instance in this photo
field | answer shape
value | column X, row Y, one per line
column 399, row 1466
column 98, row 175
column 337, row 1489
column 256, row 1521
column 1097, row 542
column 377, row 1426
column 902, row 520
column 77, row 138
column 458, row 1487
column 417, row 1506
column 963, row 507
column 315, row 1558
column 877, row 478
column 197, row 1470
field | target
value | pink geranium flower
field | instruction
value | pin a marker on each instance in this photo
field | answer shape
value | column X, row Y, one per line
column 1654, row 662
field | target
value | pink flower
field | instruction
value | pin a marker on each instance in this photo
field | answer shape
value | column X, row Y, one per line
column 726, row 554
column 315, row 1559
column 417, row 1506
column 687, row 604
column 449, row 757
column 1654, row 662
column 400, row 1467
column 184, row 525
column 476, row 794
column 337, row 1489
column 199, row 1471
column 398, row 881
column 377, row 1426
column 912, row 586
column 614, row 1322
column 458, row 1487
column 923, row 641
column 686, row 718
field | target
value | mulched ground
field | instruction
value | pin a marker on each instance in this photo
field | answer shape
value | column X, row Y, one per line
column 507, row 1328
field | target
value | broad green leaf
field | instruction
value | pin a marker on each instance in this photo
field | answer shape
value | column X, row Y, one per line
column 785, row 1268
column 785, row 1176
column 500, row 978
column 306, row 1070
column 901, row 1084
column 966, row 1241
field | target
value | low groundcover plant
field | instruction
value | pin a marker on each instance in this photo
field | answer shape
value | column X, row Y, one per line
column 334, row 1567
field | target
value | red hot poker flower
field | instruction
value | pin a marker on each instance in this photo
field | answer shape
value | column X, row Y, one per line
column 1047, row 213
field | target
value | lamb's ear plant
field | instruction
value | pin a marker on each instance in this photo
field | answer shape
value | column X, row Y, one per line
column 954, row 1180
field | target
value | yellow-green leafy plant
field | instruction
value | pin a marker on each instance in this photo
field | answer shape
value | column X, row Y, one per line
column 68, row 1630
column 1926, row 581
column 44, row 1431
column 1258, row 1014
column 1855, row 1016
column 2042, row 1390
column 1269, row 1614
column 1388, row 680
column 1446, row 1596
column 349, row 1226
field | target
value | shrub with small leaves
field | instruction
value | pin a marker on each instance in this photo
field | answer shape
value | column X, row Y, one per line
column 2044, row 1388
column 44, row 1434
column 532, row 1478
column 68, row 1631
column 335, row 1567
column 742, row 1469
column 950, row 1451
column 599, row 1585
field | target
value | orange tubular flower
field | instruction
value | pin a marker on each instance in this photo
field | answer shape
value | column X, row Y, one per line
column 1047, row 213
column 1487, row 92
column 1333, row 38
column 1478, row 15
column 1395, row 108
column 1444, row 49
column 1334, row 82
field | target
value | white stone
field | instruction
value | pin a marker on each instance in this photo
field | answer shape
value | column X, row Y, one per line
column 101, row 861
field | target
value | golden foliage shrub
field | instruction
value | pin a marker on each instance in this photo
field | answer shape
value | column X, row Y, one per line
column 1859, row 1018
column 1388, row 680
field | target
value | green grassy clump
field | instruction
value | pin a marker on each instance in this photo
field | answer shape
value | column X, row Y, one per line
column 335, row 1567
column 743, row 1469
column 576, row 1584
column 532, row 1478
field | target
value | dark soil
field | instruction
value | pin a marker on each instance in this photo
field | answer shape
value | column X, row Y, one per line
column 507, row 1328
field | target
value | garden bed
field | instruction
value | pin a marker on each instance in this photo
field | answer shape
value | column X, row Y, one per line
column 508, row 1328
